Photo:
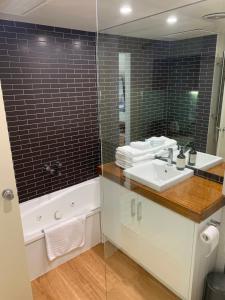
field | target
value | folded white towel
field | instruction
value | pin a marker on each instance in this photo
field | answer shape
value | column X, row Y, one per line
column 162, row 142
column 131, row 152
column 140, row 145
column 125, row 165
column 126, row 152
column 122, row 165
column 157, row 141
column 65, row 236
column 126, row 162
column 169, row 143
column 134, row 159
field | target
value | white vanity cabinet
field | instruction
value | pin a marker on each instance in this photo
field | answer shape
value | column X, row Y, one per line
column 160, row 240
column 119, row 217
column 167, row 245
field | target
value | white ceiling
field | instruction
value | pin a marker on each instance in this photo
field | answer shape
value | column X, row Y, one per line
column 190, row 23
column 75, row 14
column 81, row 14
column 109, row 14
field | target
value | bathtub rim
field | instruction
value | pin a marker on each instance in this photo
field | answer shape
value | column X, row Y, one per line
column 29, row 206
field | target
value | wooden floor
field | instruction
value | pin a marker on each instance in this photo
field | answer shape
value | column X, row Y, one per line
column 84, row 278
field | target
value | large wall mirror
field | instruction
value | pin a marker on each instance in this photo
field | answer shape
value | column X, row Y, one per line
column 171, row 78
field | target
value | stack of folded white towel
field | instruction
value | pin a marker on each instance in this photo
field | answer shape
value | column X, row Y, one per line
column 139, row 152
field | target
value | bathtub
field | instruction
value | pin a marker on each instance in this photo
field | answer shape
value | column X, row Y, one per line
column 47, row 210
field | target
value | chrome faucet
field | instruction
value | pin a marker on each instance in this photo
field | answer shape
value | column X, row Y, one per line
column 169, row 157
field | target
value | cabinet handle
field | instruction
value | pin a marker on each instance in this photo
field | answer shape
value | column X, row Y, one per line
column 139, row 211
column 133, row 212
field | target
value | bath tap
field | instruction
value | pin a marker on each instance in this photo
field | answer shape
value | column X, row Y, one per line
column 55, row 169
column 169, row 158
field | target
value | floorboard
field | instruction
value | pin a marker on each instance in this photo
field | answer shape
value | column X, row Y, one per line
column 84, row 278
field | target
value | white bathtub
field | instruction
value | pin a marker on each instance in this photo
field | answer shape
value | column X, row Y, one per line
column 40, row 213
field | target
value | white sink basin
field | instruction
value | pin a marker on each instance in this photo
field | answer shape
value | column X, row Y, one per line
column 157, row 175
column 204, row 161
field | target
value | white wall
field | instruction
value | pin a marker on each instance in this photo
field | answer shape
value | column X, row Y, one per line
column 212, row 139
column 124, row 68
column 220, row 262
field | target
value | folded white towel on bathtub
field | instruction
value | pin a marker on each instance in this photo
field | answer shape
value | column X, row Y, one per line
column 65, row 236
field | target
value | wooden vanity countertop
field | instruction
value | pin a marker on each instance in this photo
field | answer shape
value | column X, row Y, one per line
column 218, row 170
column 195, row 198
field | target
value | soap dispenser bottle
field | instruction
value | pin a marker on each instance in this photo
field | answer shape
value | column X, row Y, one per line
column 192, row 156
column 181, row 160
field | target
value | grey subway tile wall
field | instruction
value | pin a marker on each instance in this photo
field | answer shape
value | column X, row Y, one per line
column 191, row 67
column 48, row 79
column 170, row 89
column 148, row 93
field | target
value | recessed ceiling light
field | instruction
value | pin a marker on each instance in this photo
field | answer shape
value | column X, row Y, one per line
column 77, row 44
column 194, row 93
column 42, row 39
column 125, row 10
column 171, row 20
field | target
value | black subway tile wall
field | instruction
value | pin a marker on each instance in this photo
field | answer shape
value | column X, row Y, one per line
column 48, row 79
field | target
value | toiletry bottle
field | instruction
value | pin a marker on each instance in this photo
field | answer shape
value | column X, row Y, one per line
column 192, row 156
column 181, row 160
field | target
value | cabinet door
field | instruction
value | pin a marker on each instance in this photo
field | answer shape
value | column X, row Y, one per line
column 119, row 216
column 157, row 238
column 166, row 241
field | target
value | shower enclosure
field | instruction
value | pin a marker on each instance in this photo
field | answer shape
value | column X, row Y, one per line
column 152, row 82
column 128, row 82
